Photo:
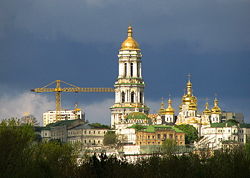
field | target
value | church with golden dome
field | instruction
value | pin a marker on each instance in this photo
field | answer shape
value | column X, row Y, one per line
column 188, row 112
column 129, row 107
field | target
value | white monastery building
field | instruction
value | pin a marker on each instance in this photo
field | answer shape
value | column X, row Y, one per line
column 52, row 116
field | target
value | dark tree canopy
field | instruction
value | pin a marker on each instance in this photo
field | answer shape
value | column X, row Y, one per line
column 99, row 126
column 110, row 138
column 191, row 133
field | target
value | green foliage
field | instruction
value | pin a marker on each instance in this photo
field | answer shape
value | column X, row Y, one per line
column 110, row 138
column 22, row 156
column 138, row 127
column 99, row 126
column 168, row 147
column 191, row 134
column 15, row 144
column 223, row 164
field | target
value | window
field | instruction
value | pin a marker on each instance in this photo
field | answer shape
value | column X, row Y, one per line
column 132, row 97
column 123, row 97
column 125, row 69
column 138, row 70
column 131, row 69
column 158, row 136
column 148, row 137
column 165, row 136
column 140, row 97
column 89, row 132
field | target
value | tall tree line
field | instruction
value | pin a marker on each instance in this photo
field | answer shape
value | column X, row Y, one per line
column 22, row 155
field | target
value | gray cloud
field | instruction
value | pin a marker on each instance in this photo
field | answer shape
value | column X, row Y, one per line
column 98, row 111
column 15, row 106
column 204, row 25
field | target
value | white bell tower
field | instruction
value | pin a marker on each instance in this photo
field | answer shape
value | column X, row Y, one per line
column 129, row 87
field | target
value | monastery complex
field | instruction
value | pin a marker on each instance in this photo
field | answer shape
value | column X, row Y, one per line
column 215, row 127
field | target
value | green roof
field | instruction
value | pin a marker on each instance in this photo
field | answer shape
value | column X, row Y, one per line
column 153, row 128
column 60, row 123
column 137, row 115
column 228, row 123
column 244, row 125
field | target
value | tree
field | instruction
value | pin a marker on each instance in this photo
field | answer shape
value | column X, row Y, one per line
column 110, row 138
column 191, row 133
column 168, row 147
column 22, row 156
column 99, row 126
column 15, row 141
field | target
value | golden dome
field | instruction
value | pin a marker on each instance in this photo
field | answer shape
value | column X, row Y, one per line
column 188, row 98
column 162, row 110
column 130, row 43
column 170, row 109
column 216, row 109
column 207, row 111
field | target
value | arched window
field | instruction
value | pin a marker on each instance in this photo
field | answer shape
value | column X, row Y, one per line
column 131, row 69
column 125, row 69
column 140, row 97
column 123, row 97
column 138, row 70
column 132, row 97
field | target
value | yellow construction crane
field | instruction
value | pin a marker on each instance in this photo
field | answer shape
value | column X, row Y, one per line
column 73, row 88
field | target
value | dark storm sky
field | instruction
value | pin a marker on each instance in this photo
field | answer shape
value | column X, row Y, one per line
column 78, row 41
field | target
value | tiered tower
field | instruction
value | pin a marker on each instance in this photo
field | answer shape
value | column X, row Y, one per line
column 188, row 107
column 129, row 87
column 216, row 112
column 169, row 113
column 205, row 117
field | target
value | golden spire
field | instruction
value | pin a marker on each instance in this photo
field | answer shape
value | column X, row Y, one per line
column 216, row 109
column 170, row 109
column 207, row 110
column 130, row 43
column 189, row 86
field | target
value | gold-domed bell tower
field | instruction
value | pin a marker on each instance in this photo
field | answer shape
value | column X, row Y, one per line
column 169, row 113
column 129, row 86
column 216, row 112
